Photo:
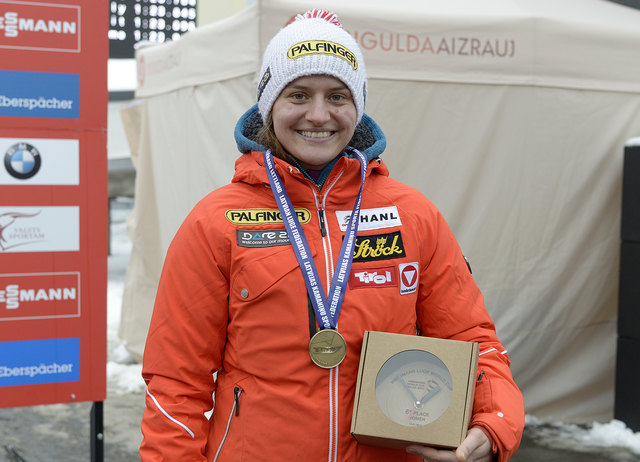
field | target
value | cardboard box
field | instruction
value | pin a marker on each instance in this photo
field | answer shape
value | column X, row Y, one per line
column 414, row 389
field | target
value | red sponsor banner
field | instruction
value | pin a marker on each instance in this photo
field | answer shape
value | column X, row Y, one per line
column 39, row 296
column 386, row 276
column 53, row 200
column 39, row 26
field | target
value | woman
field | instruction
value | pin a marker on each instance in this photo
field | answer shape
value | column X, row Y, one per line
column 264, row 266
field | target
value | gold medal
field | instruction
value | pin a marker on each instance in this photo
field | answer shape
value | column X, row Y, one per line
column 327, row 348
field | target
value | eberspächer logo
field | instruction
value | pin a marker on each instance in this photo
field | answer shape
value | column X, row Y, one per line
column 22, row 161
column 39, row 94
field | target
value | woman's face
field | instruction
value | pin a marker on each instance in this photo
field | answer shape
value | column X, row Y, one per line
column 314, row 118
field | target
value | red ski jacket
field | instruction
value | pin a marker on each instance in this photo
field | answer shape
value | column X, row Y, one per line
column 232, row 300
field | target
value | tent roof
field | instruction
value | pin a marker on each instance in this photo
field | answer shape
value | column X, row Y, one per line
column 582, row 44
column 220, row 51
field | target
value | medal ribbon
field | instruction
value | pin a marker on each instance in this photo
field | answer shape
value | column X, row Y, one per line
column 326, row 314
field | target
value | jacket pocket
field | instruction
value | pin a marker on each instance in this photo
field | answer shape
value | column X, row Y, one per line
column 235, row 412
column 260, row 274
column 483, row 399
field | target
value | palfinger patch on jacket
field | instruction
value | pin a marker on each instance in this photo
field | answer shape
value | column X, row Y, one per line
column 386, row 276
column 383, row 217
column 378, row 247
column 262, row 238
column 408, row 277
column 263, row 216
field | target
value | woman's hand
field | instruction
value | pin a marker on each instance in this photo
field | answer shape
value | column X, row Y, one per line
column 476, row 447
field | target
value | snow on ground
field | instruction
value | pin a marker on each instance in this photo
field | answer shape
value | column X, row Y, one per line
column 583, row 438
column 124, row 376
column 123, row 373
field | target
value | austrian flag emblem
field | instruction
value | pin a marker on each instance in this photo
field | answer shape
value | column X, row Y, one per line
column 408, row 277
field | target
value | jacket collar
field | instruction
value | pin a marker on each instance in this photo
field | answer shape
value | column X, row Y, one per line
column 249, row 168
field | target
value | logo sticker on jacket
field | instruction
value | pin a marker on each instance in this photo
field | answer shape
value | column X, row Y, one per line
column 262, row 238
column 384, row 217
column 263, row 216
column 374, row 277
column 408, row 277
column 378, row 247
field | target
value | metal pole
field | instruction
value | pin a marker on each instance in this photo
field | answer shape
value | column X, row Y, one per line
column 96, row 432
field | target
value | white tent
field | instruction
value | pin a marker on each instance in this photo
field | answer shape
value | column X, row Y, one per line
column 510, row 115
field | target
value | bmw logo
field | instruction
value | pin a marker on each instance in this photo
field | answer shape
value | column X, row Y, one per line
column 22, row 161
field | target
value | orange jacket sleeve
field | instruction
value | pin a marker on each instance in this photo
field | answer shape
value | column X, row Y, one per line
column 189, row 319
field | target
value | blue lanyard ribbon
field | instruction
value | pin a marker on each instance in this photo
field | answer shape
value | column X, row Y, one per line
column 326, row 314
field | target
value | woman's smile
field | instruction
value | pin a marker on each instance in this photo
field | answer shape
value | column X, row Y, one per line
column 309, row 134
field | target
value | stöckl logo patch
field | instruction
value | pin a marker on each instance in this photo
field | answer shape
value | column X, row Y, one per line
column 378, row 247
column 322, row 47
column 263, row 216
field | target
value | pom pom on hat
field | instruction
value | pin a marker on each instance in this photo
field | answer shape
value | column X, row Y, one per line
column 314, row 43
column 322, row 14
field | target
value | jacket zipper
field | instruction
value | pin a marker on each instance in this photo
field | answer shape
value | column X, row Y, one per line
column 323, row 228
column 323, row 231
column 320, row 204
column 333, row 373
column 235, row 411
column 237, row 391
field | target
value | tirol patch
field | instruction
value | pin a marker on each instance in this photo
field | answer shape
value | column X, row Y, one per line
column 383, row 217
column 262, row 238
column 374, row 277
column 322, row 47
column 408, row 277
column 263, row 216
column 379, row 247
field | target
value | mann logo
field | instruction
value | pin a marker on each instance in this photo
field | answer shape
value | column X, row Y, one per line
column 263, row 216
column 262, row 238
column 39, row 296
column 39, row 26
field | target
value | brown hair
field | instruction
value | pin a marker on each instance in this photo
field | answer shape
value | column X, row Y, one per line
column 267, row 137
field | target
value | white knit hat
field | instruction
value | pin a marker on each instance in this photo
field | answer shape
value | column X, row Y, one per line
column 315, row 43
